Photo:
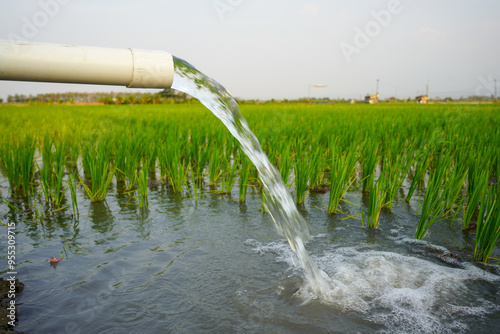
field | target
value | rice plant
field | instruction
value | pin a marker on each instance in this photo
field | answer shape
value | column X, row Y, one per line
column 452, row 192
column 151, row 154
column 142, row 184
column 433, row 203
column 98, row 168
column 488, row 225
column 376, row 201
column 134, row 152
column 396, row 169
column 285, row 161
column 478, row 177
column 301, row 170
column 370, row 160
column 316, row 168
column 52, row 170
column 198, row 158
column 17, row 164
column 72, row 185
column 173, row 168
column 245, row 167
column 423, row 158
column 215, row 165
column 229, row 176
column 342, row 174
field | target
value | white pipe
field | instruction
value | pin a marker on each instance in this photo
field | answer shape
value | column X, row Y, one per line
column 134, row 68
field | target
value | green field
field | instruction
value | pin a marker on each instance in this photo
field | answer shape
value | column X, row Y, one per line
column 445, row 158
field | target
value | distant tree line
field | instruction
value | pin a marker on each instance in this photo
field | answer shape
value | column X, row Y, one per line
column 166, row 96
column 171, row 96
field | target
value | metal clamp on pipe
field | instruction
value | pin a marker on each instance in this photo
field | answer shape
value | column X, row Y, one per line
column 134, row 68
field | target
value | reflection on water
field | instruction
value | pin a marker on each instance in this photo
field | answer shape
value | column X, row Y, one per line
column 101, row 217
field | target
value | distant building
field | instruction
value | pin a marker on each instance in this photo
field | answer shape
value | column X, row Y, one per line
column 424, row 99
column 371, row 99
column 352, row 101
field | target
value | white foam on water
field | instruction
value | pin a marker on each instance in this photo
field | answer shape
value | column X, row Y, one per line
column 405, row 294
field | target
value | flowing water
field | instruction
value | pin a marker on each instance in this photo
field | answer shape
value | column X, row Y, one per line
column 278, row 200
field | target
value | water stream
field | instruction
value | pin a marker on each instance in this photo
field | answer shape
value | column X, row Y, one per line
column 278, row 200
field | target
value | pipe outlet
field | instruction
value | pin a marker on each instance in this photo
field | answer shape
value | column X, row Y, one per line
column 43, row 62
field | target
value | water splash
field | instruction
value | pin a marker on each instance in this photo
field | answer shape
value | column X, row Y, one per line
column 287, row 219
column 401, row 292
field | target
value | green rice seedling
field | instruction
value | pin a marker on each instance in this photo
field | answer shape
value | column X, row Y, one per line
column 316, row 168
column 396, row 164
column 98, row 167
column 142, row 184
column 52, row 170
column 478, row 177
column 38, row 214
column 488, row 225
column 199, row 159
column 151, row 153
column 342, row 174
column 454, row 185
column 301, row 169
column 229, row 176
column 214, row 167
column 173, row 168
column 433, row 203
column 423, row 158
column 396, row 172
column 218, row 144
column 120, row 158
column 73, row 151
column 17, row 164
column 10, row 205
column 285, row 161
column 196, row 187
column 72, row 184
column 135, row 151
column 370, row 160
column 168, row 142
column 474, row 195
column 497, row 169
column 245, row 167
column 376, row 201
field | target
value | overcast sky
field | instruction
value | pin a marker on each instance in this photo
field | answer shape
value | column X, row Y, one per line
column 275, row 48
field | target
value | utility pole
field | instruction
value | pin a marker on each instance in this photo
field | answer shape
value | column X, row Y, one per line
column 377, row 87
column 427, row 89
column 495, row 90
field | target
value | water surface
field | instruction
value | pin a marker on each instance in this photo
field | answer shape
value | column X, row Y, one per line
column 219, row 266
